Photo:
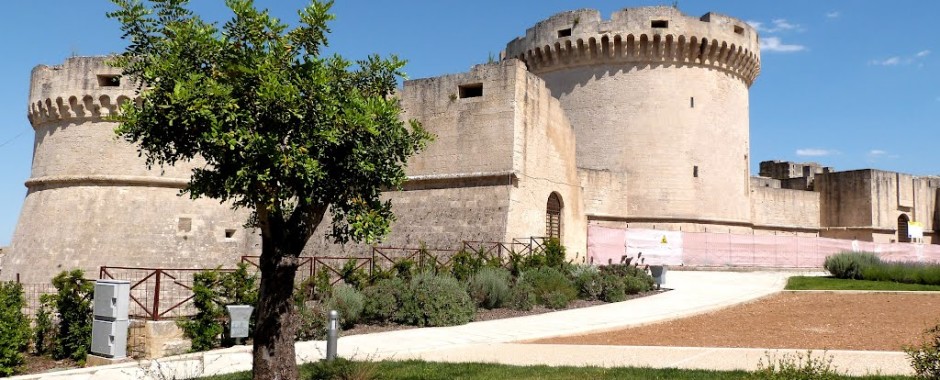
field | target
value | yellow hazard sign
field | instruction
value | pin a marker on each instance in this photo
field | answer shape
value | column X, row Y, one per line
column 664, row 240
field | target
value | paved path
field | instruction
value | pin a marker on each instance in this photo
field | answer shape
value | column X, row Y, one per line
column 491, row 341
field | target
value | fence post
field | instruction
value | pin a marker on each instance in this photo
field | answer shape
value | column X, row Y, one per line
column 155, row 315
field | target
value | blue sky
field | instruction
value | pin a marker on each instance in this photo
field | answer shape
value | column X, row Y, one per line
column 847, row 83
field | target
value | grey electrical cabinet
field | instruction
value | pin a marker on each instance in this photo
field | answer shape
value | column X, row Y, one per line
column 112, row 298
column 240, row 318
column 109, row 328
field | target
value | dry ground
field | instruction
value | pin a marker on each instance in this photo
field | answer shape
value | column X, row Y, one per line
column 801, row 320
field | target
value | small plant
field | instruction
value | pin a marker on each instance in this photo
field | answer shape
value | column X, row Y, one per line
column 554, row 254
column 489, row 287
column 434, row 300
column 464, row 264
column 551, row 288
column 926, row 358
column 613, row 288
column 44, row 330
column 353, row 274
column 212, row 291
column 383, row 300
column 850, row 265
column 311, row 320
column 798, row 366
column 322, row 286
column 348, row 301
column 635, row 285
column 522, row 296
column 404, row 269
column 73, row 304
column 587, row 279
column 14, row 328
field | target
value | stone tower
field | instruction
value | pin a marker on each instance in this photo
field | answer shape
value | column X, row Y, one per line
column 91, row 200
column 659, row 104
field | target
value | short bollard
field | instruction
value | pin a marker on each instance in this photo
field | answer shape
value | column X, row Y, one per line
column 332, row 335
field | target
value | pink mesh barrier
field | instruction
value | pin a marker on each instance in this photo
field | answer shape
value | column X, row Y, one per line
column 705, row 249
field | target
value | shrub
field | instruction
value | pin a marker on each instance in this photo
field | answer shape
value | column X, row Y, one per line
column 212, row 291
column 311, row 320
column 382, row 300
column 433, row 300
column 796, row 367
column 521, row 296
column 353, row 274
column 554, row 254
column 587, row 280
column 322, row 286
column 73, row 304
column 404, row 269
column 489, row 287
column 551, row 288
column 850, row 265
column 612, row 288
column 465, row 264
column 348, row 301
column 635, row 285
column 14, row 328
column 926, row 358
column 44, row 331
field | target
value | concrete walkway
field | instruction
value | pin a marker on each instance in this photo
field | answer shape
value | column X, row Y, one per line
column 492, row 341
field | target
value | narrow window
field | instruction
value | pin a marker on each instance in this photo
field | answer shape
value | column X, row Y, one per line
column 553, row 217
column 471, row 90
column 738, row 29
column 692, row 102
column 695, row 171
column 659, row 24
column 229, row 233
column 109, row 80
column 903, row 234
column 564, row 33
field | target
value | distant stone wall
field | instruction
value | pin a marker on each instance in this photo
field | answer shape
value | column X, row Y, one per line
column 784, row 209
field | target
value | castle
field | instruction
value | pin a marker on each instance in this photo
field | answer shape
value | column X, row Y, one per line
column 585, row 127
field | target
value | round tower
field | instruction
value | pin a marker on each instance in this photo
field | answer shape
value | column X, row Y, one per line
column 658, row 100
column 91, row 200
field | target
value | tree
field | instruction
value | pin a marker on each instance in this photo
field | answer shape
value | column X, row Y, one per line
column 284, row 132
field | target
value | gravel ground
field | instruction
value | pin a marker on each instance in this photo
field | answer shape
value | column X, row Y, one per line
column 800, row 320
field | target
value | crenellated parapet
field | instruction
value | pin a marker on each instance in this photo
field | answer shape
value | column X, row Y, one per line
column 81, row 89
column 651, row 35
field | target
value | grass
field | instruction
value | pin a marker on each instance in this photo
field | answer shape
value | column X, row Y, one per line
column 420, row 370
column 831, row 283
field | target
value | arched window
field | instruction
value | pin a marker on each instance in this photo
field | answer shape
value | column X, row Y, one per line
column 553, row 216
column 902, row 229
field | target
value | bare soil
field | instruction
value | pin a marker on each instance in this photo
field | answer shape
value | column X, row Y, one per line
column 835, row 321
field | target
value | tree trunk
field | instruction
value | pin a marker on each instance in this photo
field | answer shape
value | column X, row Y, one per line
column 274, row 356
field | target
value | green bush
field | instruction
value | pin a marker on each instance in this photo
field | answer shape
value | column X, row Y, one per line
column 311, row 320
column 635, row 285
column 850, row 265
column 612, row 288
column 926, row 358
column 465, row 264
column 798, row 366
column 551, row 288
column 521, row 296
column 14, row 328
column 489, row 287
column 404, row 269
column 626, row 270
column 212, row 291
column 44, row 331
column 383, row 299
column 554, row 254
column 353, row 275
column 587, row 279
column 322, row 286
column 348, row 301
column 903, row 272
column 433, row 300
column 73, row 305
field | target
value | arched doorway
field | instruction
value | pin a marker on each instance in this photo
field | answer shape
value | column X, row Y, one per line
column 902, row 229
column 553, row 216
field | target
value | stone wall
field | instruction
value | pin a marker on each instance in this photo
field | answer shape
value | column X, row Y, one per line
column 784, row 209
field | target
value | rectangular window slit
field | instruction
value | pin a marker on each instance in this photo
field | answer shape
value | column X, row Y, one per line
column 109, row 80
column 692, row 102
column 229, row 233
column 660, row 24
column 564, row 33
column 738, row 29
column 471, row 90
column 695, row 171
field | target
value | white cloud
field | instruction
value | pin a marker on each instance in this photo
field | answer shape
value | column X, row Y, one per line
column 778, row 25
column 815, row 152
column 773, row 44
column 900, row 60
column 833, row 14
column 877, row 152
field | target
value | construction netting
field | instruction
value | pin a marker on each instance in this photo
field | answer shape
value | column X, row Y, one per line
column 707, row 249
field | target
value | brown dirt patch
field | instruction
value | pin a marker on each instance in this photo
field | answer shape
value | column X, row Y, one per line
column 845, row 321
